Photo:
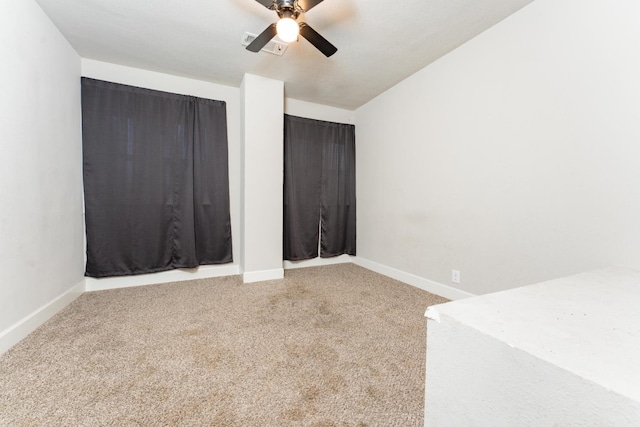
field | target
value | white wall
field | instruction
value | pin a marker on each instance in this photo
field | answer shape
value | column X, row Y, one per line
column 310, row 110
column 232, row 96
column 168, row 83
column 513, row 159
column 41, row 253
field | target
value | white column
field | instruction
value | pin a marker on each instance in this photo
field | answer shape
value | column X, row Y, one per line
column 262, row 115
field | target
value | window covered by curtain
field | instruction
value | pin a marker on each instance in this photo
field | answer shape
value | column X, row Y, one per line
column 156, row 181
column 319, row 188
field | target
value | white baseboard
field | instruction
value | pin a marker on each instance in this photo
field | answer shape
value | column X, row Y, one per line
column 17, row 332
column 262, row 275
column 315, row 262
column 201, row 272
column 413, row 280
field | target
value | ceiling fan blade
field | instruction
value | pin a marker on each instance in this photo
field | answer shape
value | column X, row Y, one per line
column 317, row 40
column 262, row 40
column 307, row 5
column 268, row 3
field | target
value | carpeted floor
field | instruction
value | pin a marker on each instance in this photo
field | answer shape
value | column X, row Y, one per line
column 327, row 346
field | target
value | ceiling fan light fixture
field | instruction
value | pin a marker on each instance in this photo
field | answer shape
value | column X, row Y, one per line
column 288, row 29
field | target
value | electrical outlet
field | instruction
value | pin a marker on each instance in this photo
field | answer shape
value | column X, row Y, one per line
column 455, row 276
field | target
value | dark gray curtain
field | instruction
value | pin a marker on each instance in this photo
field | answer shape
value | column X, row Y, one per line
column 156, row 181
column 319, row 188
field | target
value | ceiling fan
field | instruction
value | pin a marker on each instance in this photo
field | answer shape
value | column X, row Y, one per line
column 288, row 29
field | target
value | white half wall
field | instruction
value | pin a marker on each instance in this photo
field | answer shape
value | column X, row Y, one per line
column 559, row 353
column 513, row 159
column 185, row 86
column 41, row 250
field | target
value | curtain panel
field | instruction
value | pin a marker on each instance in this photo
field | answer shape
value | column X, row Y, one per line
column 319, row 188
column 156, row 181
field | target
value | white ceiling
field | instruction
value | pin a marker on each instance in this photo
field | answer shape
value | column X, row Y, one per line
column 380, row 42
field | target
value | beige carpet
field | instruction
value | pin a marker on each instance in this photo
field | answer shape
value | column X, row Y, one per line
column 326, row 346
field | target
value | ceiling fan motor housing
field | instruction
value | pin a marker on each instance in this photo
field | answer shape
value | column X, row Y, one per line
column 287, row 8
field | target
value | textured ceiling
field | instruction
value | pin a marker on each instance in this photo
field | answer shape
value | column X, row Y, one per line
column 380, row 42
